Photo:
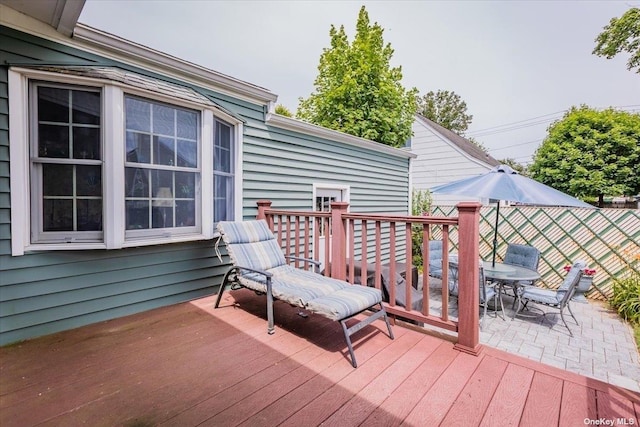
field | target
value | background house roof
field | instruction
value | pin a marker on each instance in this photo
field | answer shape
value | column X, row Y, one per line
column 462, row 143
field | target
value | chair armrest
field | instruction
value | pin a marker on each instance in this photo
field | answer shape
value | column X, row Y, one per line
column 315, row 263
column 253, row 270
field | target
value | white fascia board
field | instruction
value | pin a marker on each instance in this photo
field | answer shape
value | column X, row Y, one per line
column 334, row 135
column 67, row 14
column 136, row 54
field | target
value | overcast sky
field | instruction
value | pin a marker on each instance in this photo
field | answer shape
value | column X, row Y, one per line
column 518, row 65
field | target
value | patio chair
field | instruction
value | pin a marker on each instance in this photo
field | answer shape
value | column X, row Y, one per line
column 524, row 256
column 558, row 299
column 260, row 265
column 435, row 258
column 488, row 291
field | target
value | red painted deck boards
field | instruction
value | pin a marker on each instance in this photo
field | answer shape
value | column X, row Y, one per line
column 189, row 364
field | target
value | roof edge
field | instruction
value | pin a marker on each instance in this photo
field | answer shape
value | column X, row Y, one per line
column 297, row 125
column 129, row 49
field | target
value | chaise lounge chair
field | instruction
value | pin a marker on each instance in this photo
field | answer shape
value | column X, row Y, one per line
column 260, row 265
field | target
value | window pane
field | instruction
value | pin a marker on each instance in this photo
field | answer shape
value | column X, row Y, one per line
column 163, row 120
column 53, row 105
column 161, row 181
column 57, row 215
column 185, row 185
column 222, row 160
column 57, row 180
column 86, row 143
column 137, row 182
column 138, row 147
column 163, row 150
column 89, row 180
column 53, row 141
column 187, row 124
column 223, row 198
column 89, row 215
column 185, row 213
column 138, row 115
column 188, row 154
column 162, row 215
column 137, row 214
column 86, row 107
column 224, row 136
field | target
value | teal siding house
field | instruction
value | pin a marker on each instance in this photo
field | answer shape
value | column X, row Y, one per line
column 116, row 162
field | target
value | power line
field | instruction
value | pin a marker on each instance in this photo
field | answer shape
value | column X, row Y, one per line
column 515, row 145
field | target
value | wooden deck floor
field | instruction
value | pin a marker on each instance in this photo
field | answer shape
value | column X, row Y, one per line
column 190, row 365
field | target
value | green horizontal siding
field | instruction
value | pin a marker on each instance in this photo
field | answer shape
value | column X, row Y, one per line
column 46, row 292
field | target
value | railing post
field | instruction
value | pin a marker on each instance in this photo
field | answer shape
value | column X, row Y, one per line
column 338, row 241
column 263, row 205
column 469, row 290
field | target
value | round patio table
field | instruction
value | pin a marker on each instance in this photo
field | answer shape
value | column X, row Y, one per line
column 509, row 275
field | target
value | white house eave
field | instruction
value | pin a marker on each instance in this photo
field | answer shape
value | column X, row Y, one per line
column 296, row 125
column 130, row 52
column 454, row 146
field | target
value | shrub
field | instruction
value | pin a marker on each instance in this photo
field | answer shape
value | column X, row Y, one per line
column 420, row 205
column 626, row 291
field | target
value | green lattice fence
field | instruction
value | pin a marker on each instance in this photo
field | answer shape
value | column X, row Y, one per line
column 606, row 238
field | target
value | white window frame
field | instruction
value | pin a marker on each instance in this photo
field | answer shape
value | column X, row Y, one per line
column 113, row 177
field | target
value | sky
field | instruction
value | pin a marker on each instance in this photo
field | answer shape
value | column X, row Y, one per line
column 518, row 65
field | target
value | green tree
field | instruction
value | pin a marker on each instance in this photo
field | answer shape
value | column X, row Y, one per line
column 590, row 153
column 283, row 111
column 357, row 91
column 621, row 35
column 447, row 109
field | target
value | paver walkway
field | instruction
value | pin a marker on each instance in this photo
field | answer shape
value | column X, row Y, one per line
column 602, row 346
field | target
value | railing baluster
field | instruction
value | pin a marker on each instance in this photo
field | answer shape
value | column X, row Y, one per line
column 352, row 250
column 392, row 263
column 425, row 269
column 363, row 253
column 408, row 282
column 445, row 273
column 306, row 241
column 296, row 248
column 377, row 280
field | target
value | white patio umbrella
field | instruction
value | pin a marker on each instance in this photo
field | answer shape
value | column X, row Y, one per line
column 503, row 183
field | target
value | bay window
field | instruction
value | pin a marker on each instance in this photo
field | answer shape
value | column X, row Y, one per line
column 97, row 164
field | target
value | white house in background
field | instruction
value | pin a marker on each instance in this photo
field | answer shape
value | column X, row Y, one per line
column 442, row 157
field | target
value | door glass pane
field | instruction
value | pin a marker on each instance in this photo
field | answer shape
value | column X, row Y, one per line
column 57, row 180
column 86, row 107
column 53, row 105
column 89, row 215
column 86, row 143
column 57, row 215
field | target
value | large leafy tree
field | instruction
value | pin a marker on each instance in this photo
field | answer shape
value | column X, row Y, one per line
column 357, row 91
column 590, row 153
column 621, row 35
column 447, row 109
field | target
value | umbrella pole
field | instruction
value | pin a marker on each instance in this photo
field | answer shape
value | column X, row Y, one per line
column 495, row 235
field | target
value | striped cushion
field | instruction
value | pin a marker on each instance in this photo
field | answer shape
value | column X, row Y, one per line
column 251, row 244
column 299, row 287
column 345, row 302
column 245, row 231
column 545, row 296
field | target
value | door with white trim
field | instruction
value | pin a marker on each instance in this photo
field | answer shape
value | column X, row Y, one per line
column 323, row 196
